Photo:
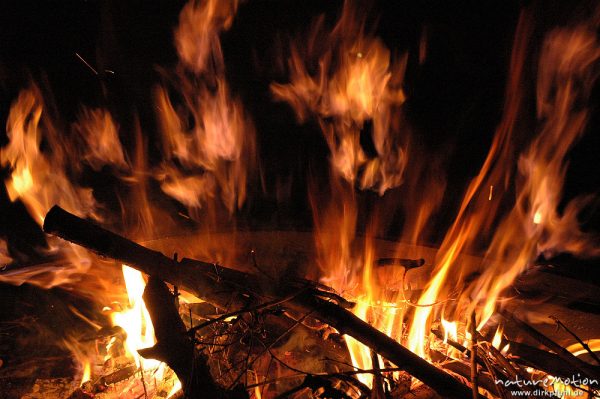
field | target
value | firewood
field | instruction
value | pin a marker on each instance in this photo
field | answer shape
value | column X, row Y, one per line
column 540, row 359
column 229, row 288
column 176, row 349
column 585, row 369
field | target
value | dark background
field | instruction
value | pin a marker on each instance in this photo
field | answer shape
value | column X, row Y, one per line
column 454, row 98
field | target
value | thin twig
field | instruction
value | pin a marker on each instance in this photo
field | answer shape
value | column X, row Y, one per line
column 473, row 327
column 257, row 308
column 143, row 381
column 492, row 370
column 356, row 384
column 286, row 332
column 86, row 64
column 262, row 389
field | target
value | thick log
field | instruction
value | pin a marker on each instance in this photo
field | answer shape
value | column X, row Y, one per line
column 175, row 348
column 228, row 288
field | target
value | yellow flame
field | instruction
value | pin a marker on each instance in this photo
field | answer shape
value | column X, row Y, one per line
column 176, row 388
column 135, row 320
column 87, row 372
column 419, row 329
column 450, row 330
column 537, row 218
column 577, row 349
column 497, row 340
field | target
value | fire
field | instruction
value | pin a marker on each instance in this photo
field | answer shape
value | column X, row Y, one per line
column 87, row 371
column 525, row 231
column 197, row 35
column 213, row 154
column 353, row 85
column 450, row 330
column 39, row 178
column 497, row 340
column 359, row 89
column 5, row 259
column 202, row 161
column 357, row 81
column 135, row 320
column 577, row 349
column 100, row 134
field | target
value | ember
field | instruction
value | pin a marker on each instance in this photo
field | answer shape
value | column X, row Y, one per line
column 156, row 244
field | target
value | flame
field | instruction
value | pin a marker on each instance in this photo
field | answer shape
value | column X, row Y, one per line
column 100, row 134
column 197, row 34
column 577, row 349
column 39, row 177
column 360, row 354
column 356, row 82
column 176, row 388
column 497, row 340
column 87, row 372
column 135, row 320
column 213, row 154
column 209, row 158
column 533, row 224
column 450, row 330
column 349, row 81
column 565, row 79
column 5, row 259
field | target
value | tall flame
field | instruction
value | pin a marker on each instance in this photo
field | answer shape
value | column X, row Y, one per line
column 212, row 154
column 39, row 177
column 565, row 76
column 356, row 81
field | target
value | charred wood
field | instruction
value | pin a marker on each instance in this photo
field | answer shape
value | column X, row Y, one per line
column 176, row 349
column 228, row 288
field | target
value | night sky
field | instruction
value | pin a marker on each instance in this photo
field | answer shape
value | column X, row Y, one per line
column 454, row 98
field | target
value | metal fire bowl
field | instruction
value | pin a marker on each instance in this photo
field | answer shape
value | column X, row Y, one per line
column 534, row 297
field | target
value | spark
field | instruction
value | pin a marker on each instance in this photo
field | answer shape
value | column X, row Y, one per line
column 86, row 64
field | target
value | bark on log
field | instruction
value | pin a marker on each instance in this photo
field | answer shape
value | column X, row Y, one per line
column 232, row 289
column 175, row 348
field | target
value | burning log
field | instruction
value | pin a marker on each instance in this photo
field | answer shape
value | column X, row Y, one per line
column 228, row 288
column 175, row 347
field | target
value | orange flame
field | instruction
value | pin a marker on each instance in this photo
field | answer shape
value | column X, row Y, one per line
column 216, row 151
column 100, row 134
column 356, row 82
column 533, row 223
column 39, row 178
